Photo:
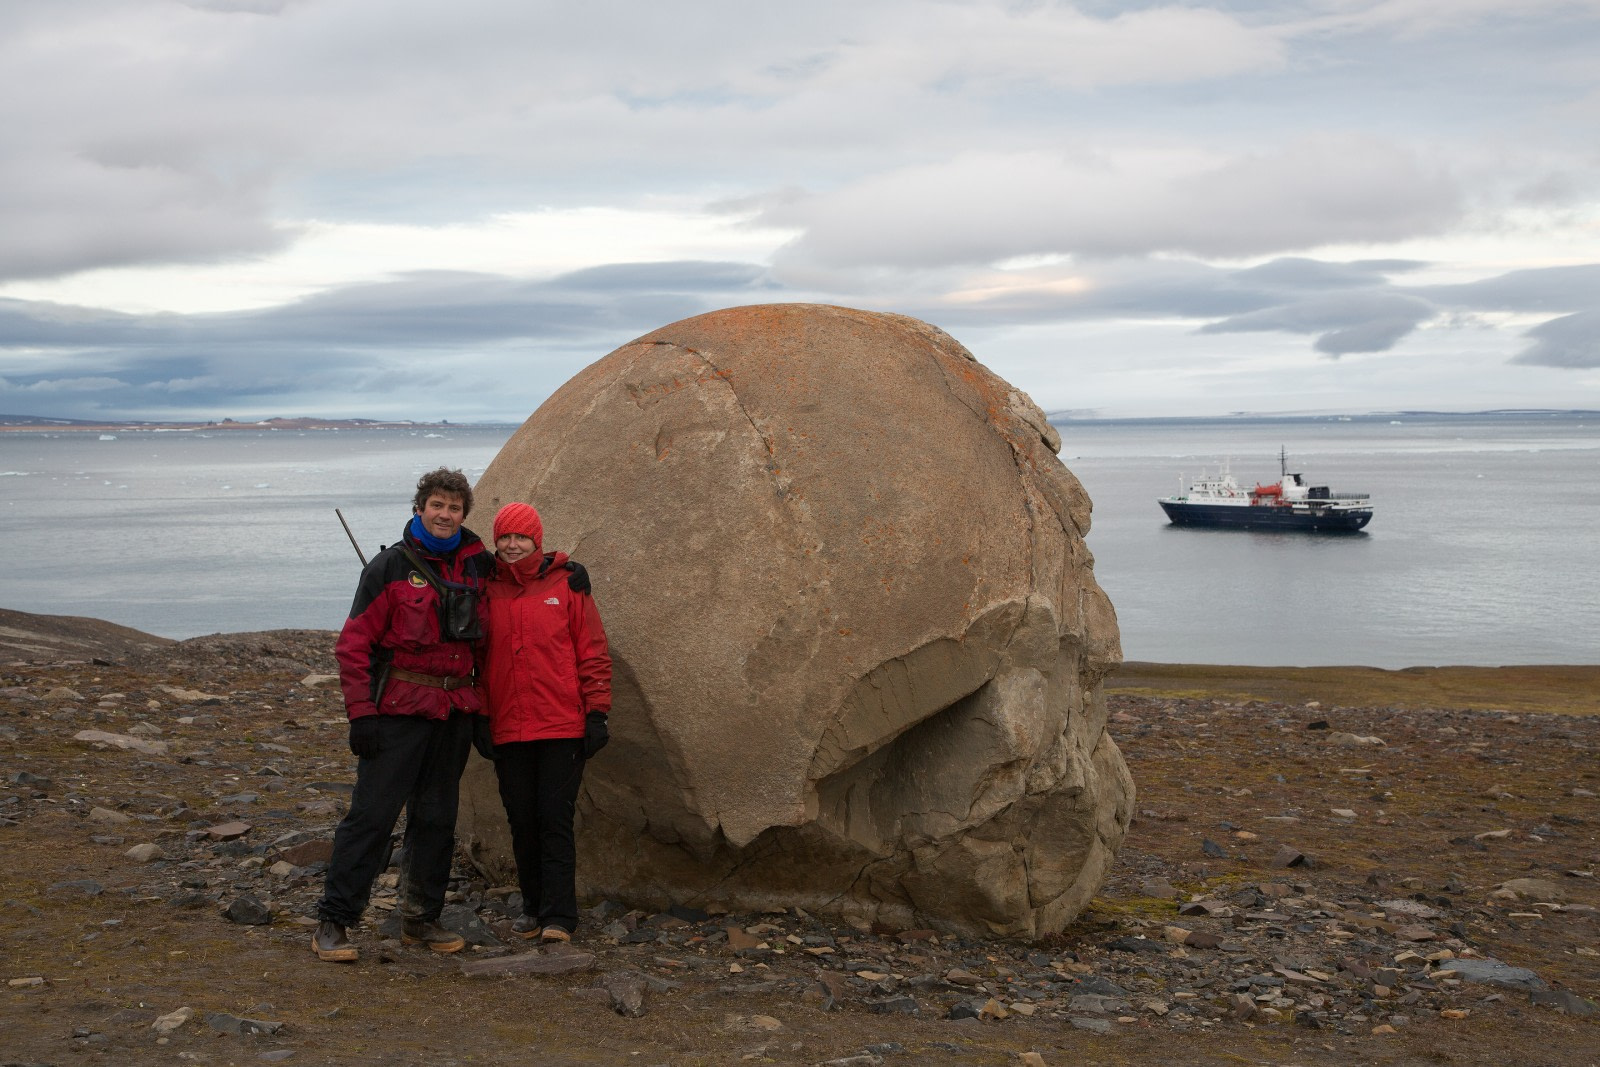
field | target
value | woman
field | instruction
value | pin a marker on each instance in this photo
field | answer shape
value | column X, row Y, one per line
column 548, row 684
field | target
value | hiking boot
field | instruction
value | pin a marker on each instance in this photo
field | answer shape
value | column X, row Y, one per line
column 526, row 927
column 436, row 937
column 555, row 933
column 330, row 942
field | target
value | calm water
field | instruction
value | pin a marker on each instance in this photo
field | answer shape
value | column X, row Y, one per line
column 1483, row 549
column 183, row 533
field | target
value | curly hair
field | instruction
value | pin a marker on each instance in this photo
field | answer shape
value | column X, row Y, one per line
column 444, row 480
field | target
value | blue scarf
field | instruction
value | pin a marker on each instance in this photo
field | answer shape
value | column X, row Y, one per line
column 430, row 542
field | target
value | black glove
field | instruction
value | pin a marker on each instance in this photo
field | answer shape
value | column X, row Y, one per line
column 365, row 737
column 578, row 579
column 483, row 738
column 595, row 733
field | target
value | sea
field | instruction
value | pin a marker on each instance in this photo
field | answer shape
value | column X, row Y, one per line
column 1483, row 550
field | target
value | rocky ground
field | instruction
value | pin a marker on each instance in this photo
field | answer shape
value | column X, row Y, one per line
column 1305, row 883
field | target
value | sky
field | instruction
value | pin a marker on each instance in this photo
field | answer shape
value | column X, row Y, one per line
column 401, row 210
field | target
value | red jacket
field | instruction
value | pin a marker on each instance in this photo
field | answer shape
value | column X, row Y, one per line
column 395, row 622
column 546, row 665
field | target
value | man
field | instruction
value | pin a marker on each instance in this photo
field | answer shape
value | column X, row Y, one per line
column 408, row 670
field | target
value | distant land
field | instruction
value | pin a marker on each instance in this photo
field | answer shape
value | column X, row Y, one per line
column 41, row 424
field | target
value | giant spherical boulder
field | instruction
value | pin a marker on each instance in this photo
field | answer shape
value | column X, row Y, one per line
column 857, row 637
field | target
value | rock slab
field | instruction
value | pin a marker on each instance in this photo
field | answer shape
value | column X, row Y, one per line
column 1496, row 973
column 529, row 963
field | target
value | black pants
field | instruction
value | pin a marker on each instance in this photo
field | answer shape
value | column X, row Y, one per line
column 539, row 787
column 418, row 768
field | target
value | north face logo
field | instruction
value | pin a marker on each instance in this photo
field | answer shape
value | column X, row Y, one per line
column 552, row 600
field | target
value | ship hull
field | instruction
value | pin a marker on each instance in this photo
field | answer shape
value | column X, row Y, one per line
column 1248, row 517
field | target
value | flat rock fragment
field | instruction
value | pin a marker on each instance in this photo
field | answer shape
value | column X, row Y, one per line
column 1494, row 972
column 122, row 741
column 529, row 963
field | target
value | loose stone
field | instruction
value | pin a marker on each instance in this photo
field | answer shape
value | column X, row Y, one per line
column 224, row 1023
column 626, row 992
column 171, row 1021
column 249, row 911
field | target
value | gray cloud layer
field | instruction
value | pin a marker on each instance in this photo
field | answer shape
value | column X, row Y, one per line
column 478, row 341
column 465, row 342
column 1312, row 192
column 1571, row 341
column 924, row 133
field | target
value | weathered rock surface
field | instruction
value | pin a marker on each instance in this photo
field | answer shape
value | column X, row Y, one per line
column 857, row 634
column 100, row 738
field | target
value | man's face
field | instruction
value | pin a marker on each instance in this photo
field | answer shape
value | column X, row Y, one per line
column 442, row 515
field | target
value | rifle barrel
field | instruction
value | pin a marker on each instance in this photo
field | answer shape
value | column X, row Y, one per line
column 359, row 554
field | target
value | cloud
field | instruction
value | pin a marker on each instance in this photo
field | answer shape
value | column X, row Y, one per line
column 467, row 343
column 184, row 132
column 1193, row 170
column 1422, row 17
column 64, row 214
column 1053, row 44
column 455, row 332
column 63, row 385
column 1543, row 289
column 27, row 324
column 464, row 345
column 1572, row 341
column 986, row 208
column 1130, row 288
column 241, row 7
column 1355, row 299
column 1291, row 273
column 1350, row 307
column 189, row 132
column 414, row 310
column 456, row 308
column 678, row 277
column 1361, row 321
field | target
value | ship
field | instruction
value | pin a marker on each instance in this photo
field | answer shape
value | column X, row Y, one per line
column 1287, row 504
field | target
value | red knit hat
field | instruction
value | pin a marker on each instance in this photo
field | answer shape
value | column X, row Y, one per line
column 519, row 518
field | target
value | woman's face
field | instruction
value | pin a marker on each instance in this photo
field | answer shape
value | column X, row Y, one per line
column 513, row 546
